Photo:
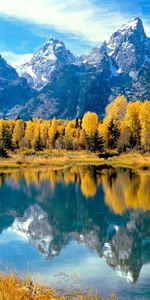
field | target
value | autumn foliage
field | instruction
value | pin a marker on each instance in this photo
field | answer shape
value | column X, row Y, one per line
column 126, row 126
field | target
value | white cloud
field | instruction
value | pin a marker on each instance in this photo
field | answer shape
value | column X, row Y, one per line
column 80, row 17
column 15, row 59
column 147, row 28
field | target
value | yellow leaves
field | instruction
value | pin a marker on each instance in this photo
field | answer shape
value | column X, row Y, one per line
column 29, row 132
column 125, row 126
column 52, row 129
column 82, row 139
column 44, row 131
column 70, row 130
column 127, row 192
column 74, row 136
column 123, row 189
column 88, row 186
column 102, row 130
column 132, row 117
column 18, row 133
column 1, row 129
column 144, row 116
column 116, row 110
column 90, row 123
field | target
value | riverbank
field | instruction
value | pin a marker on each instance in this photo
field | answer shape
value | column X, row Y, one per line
column 13, row 288
column 62, row 158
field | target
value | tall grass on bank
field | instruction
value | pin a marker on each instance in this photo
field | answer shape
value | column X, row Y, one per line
column 14, row 288
column 62, row 158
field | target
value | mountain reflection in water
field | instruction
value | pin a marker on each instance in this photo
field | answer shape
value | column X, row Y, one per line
column 106, row 209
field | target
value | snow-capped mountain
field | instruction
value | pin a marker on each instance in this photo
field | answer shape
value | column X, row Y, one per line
column 34, row 226
column 123, row 253
column 122, row 247
column 127, row 46
column 62, row 85
column 50, row 59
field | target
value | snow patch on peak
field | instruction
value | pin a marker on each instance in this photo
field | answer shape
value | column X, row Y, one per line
column 127, row 275
column 45, row 62
column 133, row 23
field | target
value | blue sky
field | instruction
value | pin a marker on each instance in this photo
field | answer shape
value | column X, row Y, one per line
column 26, row 24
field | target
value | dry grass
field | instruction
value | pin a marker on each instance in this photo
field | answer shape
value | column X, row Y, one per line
column 133, row 160
column 13, row 288
column 64, row 158
column 48, row 158
column 95, row 297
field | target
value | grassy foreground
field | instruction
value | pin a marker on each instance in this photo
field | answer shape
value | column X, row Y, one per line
column 13, row 288
column 63, row 158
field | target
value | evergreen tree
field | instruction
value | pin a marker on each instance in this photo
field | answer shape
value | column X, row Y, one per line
column 113, row 135
column 38, row 143
column 7, row 138
column 3, row 152
column 77, row 123
column 95, row 143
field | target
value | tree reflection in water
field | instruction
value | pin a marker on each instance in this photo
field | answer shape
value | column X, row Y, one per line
column 105, row 208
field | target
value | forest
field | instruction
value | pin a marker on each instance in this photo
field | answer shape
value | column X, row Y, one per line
column 125, row 126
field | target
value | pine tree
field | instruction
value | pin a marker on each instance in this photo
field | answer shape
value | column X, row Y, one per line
column 113, row 135
column 95, row 143
column 3, row 152
column 77, row 123
column 7, row 138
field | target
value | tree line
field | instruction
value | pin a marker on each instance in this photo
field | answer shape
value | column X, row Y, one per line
column 133, row 187
column 126, row 126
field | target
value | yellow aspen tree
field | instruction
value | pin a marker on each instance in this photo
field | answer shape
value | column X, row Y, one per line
column 1, row 129
column 18, row 133
column 125, row 136
column 116, row 110
column 29, row 133
column 144, row 117
column 69, row 134
column 53, row 129
column 133, row 121
column 44, row 132
column 90, row 123
column 82, row 139
column 102, row 132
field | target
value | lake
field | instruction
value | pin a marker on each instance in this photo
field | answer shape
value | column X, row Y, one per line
column 78, row 228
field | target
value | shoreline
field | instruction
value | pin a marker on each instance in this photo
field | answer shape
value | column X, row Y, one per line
column 64, row 159
column 12, row 287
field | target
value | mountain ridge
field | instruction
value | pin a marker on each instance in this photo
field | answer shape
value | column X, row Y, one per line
column 63, row 85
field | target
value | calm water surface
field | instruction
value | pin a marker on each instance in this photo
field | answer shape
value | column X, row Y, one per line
column 79, row 228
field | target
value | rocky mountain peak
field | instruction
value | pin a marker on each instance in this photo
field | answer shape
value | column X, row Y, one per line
column 13, row 89
column 49, row 59
column 58, row 84
column 134, row 24
column 127, row 46
column 54, row 49
column 6, row 71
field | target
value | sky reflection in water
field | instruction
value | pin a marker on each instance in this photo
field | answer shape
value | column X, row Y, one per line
column 82, row 227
